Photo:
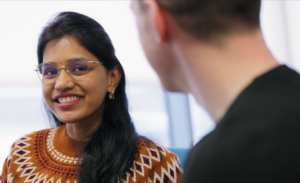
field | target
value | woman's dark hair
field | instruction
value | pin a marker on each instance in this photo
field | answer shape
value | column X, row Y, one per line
column 111, row 150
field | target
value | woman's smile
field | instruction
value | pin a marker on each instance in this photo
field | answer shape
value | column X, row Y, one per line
column 67, row 100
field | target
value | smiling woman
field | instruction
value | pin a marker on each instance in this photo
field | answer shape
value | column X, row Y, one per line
column 93, row 139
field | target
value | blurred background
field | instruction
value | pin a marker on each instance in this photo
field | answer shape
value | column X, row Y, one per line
column 171, row 119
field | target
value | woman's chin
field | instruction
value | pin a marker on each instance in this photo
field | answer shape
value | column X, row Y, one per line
column 67, row 119
column 68, row 116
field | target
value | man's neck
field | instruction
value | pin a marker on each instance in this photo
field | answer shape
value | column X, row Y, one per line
column 218, row 74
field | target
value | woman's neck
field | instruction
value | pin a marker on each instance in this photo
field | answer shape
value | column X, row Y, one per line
column 83, row 130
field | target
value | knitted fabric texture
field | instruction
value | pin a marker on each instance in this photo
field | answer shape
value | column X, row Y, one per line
column 50, row 156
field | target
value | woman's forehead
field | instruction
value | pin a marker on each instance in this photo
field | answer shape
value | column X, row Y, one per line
column 64, row 50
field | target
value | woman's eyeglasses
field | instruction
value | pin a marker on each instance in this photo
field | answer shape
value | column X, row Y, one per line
column 76, row 69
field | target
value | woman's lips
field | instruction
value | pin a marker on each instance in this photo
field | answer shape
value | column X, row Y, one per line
column 67, row 104
column 67, row 100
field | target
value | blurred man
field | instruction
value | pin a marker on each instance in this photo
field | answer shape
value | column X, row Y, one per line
column 214, row 49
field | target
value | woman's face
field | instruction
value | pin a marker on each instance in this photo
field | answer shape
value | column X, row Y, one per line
column 90, row 90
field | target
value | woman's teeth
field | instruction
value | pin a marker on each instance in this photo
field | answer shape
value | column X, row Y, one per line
column 68, row 99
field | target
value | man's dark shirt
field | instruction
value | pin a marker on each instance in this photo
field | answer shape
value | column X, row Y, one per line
column 258, row 140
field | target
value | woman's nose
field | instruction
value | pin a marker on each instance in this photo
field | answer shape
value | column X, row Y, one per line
column 63, row 81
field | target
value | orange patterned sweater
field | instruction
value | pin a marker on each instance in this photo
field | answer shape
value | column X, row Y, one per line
column 50, row 156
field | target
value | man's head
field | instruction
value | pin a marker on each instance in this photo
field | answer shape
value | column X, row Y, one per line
column 207, row 21
column 207, row 18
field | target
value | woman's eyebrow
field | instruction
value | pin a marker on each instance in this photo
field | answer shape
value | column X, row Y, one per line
column 66, row 61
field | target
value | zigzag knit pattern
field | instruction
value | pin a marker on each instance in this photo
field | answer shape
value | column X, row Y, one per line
column 50, row 156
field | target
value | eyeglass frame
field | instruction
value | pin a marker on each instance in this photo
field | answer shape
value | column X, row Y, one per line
column 64, row 67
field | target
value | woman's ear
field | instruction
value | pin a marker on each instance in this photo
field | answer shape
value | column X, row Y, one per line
column 114, row 77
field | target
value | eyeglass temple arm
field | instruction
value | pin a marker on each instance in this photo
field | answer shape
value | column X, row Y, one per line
column 94, row 62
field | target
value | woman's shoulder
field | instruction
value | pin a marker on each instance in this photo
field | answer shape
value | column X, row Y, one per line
column 155, row 151
column 28, row 139
column 154, row 163
column 21, row 150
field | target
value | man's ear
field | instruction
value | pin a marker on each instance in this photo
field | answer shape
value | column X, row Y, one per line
column 157, row 20
column 114, row 77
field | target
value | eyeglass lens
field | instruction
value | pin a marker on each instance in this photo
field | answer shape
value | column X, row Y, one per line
column 76, row 69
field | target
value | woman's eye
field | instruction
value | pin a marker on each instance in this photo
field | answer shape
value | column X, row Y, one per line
column 79, row 70
column 50, row 72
